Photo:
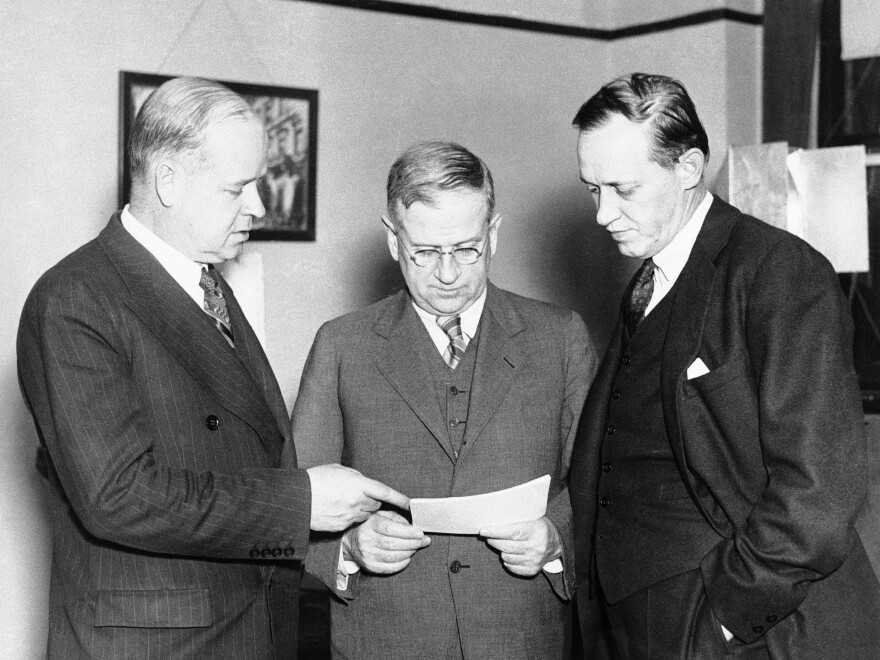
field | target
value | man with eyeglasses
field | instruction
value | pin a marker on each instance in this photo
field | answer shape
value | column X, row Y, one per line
column 450, row 387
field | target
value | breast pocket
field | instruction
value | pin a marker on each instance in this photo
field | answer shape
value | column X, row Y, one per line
column 163, row 608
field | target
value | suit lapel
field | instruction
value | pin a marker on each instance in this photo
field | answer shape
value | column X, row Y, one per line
column 691, row 293
column 501, row 354
column 401, row 363
column 189, row 335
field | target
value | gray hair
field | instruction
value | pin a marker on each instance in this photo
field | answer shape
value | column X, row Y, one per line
column 428, row 168
column 174, row 119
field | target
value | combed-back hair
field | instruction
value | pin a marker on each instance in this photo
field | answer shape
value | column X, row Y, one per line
column 428, row 168
column 662, row 102
column 173, row 120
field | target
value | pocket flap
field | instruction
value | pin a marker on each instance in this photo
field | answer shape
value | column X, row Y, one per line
column 164, row 608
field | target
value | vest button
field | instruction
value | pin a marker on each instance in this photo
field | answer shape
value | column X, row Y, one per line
column 626, row 361
column 212, row 422
column 453, row 390
column 610, row 429
column 606, row 467
column 455, row 566
column 605, row 501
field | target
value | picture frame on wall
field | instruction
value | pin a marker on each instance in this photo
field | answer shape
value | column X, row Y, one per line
column 290, row 116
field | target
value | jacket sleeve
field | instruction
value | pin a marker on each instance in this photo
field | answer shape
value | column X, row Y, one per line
column 811, row 439
column 318, row 435
column 94, row 414
column 580, row 367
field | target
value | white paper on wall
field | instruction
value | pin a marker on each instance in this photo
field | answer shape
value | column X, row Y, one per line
column 859, row 33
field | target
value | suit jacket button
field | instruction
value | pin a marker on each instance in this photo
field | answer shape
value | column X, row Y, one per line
column 453, row 390
column 606, row 467
column 615, row 394
column 454, row 422
column 212, row 422
column 610, row 429
column 605, row 501
column 277, row 552
column 772, row 618
column 289, row 552
column 265, row 553
column 254, row 553
column 758, row 629
column 455, row 566
column 626, row 360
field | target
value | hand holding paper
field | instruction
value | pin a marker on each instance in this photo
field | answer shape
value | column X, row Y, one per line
column 525, row 547
column 384, row 543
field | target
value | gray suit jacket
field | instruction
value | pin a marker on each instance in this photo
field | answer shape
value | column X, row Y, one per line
column 176, row 533
column 367, row 400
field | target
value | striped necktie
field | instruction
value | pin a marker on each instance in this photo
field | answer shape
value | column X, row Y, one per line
column 451, row 325
column 215, row 303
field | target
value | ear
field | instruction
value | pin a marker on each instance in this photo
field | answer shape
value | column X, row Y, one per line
column 690, row 168
column 494, row 224
column 391, row 237
column 166, row 177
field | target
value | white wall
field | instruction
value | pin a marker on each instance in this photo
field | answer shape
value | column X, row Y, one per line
column 385, row 81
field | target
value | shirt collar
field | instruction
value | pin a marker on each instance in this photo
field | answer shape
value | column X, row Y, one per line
column 670, row 261
column 184, row 270
column 470, row 318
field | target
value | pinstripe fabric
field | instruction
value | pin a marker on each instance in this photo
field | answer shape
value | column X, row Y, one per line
column 368, row 399
column 163, row 447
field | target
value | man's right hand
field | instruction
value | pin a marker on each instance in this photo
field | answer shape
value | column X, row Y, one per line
column 342, row 497
column 384, row 543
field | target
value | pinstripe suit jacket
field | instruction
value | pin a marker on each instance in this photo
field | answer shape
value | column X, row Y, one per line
column 176, row 533
column 368, row 400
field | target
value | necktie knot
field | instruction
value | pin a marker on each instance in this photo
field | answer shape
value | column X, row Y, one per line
column 640, row 296
column 215, row 303
column 451, row 325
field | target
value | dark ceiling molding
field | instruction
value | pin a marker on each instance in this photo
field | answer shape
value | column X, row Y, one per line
column 438, row 13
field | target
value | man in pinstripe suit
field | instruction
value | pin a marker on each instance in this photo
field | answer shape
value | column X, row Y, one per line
column 177, row 533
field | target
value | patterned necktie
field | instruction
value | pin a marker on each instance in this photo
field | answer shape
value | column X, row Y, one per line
column 642, row 290
column 215, row 303
column 457, row 341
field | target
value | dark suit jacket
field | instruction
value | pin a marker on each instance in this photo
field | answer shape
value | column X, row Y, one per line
column 175, row 531
column 770, row 443
column 368, row 399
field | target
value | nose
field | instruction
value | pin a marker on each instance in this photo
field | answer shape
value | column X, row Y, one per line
column 253, row 205
column 607, row 209
column 447, row 269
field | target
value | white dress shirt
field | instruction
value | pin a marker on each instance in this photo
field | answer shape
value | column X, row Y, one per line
column 184, row 270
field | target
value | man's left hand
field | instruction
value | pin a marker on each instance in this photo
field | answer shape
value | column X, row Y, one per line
column 525, row 547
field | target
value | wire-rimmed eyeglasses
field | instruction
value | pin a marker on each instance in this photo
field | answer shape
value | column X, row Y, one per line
column 430, row 257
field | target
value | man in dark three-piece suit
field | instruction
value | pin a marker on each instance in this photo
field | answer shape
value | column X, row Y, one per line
column 719, row 471
column 451, row 387
column 177, row 533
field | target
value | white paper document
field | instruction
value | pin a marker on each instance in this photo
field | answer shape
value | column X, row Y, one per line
column 468, row 515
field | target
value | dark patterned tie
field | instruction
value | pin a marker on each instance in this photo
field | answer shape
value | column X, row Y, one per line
column 642, row 290
column 457, row 341
column 215, row 303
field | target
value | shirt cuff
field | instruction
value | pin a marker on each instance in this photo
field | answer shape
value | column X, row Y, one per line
column 344, row 568
column 554, row 566
column 727, row 634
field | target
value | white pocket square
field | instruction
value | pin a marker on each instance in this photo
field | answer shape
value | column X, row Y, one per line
column 697, row 369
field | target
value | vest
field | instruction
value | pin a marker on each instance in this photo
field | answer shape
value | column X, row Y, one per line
column 647, row 527
column 453, row 387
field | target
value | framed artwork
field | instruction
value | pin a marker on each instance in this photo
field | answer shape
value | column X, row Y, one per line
column 290, row 116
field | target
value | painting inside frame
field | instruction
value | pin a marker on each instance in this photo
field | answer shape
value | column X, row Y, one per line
column 290, row 116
